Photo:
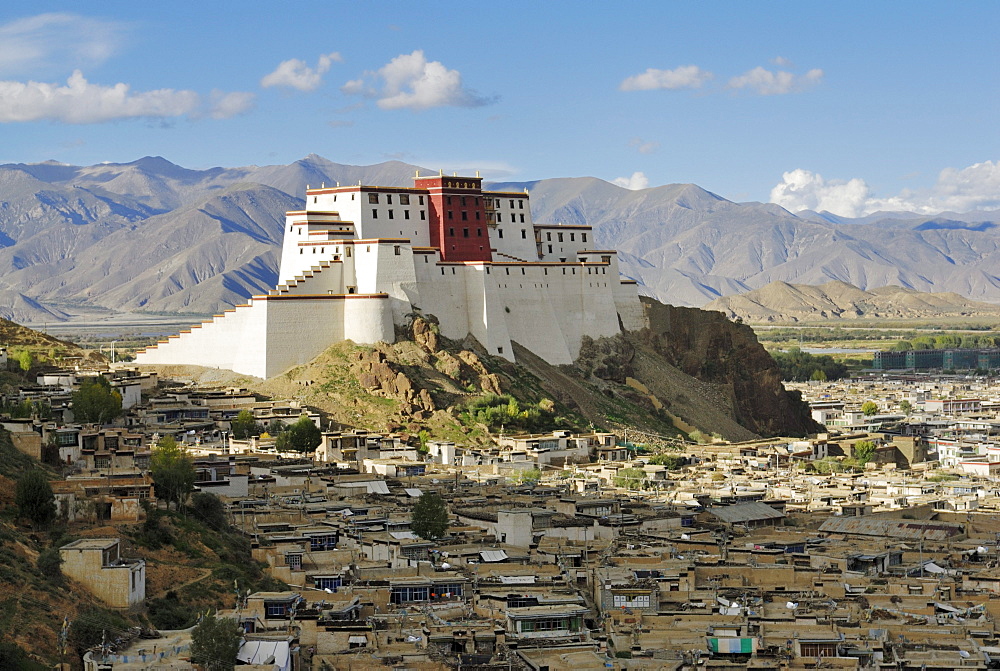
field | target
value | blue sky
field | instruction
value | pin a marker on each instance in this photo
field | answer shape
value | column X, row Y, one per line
column 850, row 107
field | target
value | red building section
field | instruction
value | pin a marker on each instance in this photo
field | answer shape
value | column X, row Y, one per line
column 457, row 217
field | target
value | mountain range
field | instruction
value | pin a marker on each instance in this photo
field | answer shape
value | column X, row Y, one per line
column 781, row 302
column 153, row 236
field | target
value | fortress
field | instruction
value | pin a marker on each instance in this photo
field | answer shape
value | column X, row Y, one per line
column 360, row 260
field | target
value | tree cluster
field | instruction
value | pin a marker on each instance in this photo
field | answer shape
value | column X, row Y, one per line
column 173, row 473
column 430, row 516
column 96, row 402
column 495, row 412
column 799, row 366
column 245, row 426
column 302, row 436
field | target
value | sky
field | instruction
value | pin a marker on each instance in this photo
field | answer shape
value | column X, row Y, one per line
column 850, row 107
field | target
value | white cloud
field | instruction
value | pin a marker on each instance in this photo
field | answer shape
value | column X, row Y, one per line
column 781, row 62
column 224, row 105
column 410, row 81
column 683, row 77
column 80, row 102
column 767, row 83
column 637, row 181
column 44, row 41
column 295, row 74
column 642, row 146
column 976, row 187
column 804, row 190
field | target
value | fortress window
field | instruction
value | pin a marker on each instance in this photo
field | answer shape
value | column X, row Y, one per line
column 373, row 198
column 388, row 198
column 463, row 201
column 447, row 200
column 352, row 290
column 583, row 236
column 347, row 252
column 395, row 250
column 420, row 199
column 423, row 216
column 479, row 232
column 500, row 233
column 564, row 271
column 452, row 271
column 477, row 215
column 300, row 250
column 451, row 215
column 605, row 259
column 487, row 271
column 546, row 270
column 522, row 272
column 572, row 237
column 522, row 218
column 390, row 214
column 548, row 238
column 560, row 236
column 314, row 250
column 315, row 200
column 374, row 214
column 520, row 204
column 368, row 248
column 507, row 270
column 289, row 229
column 499, row 350
column 550, row 249
column 425, row 258
column 512, row 204
column 300, row 231
column 352, row 196
column 524, row 234
column 465, row 232
column 442, row 271
column 465, row 215
column 406, row 214
column 451, row 232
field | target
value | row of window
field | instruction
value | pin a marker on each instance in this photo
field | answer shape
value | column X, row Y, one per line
column 524, row 233
column 404, row 199
column 559, row 236
column 406, row 214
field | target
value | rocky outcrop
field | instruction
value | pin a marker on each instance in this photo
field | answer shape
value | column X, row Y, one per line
column 726, row 355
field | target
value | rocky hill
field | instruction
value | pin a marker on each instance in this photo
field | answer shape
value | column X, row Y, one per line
column 64, row 231
column 780, row 302
column 691, row 370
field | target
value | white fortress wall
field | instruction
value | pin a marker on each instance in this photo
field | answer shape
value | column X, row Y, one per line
column 441, row 291
column 220, row 343
column 524, row 300
column 395, row 274
column 485, row 310
column 299, row 328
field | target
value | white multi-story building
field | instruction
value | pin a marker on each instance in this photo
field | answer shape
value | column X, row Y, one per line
column 360, row 260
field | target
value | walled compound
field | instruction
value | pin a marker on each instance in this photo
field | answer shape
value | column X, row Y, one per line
column 359, row 261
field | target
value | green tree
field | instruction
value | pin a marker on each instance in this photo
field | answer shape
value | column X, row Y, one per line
column 91, row 625
column 424, row 437
column 215, row 642
column 210, row 510
column 630, row 478
column 905, row 407
column 96, row 402
column 49, row 563
column 430, row 516
column 302, row 436
column 864, row 450
column 528, row 477
column 23, row 358
column 819, row 375
column 245, row 426
column 671, row 461
column 34, row 498
column 869, row 408
column 172, row 469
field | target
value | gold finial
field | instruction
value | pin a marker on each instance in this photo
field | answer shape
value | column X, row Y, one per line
column 477, row 174
column 440, row 172
column 322, row 185
column 416, row 174
column 338, row 185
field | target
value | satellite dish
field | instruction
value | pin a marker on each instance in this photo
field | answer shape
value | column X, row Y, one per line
column 791, row 605
column 964, row 654
column 445, row 565
column 328, row 590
